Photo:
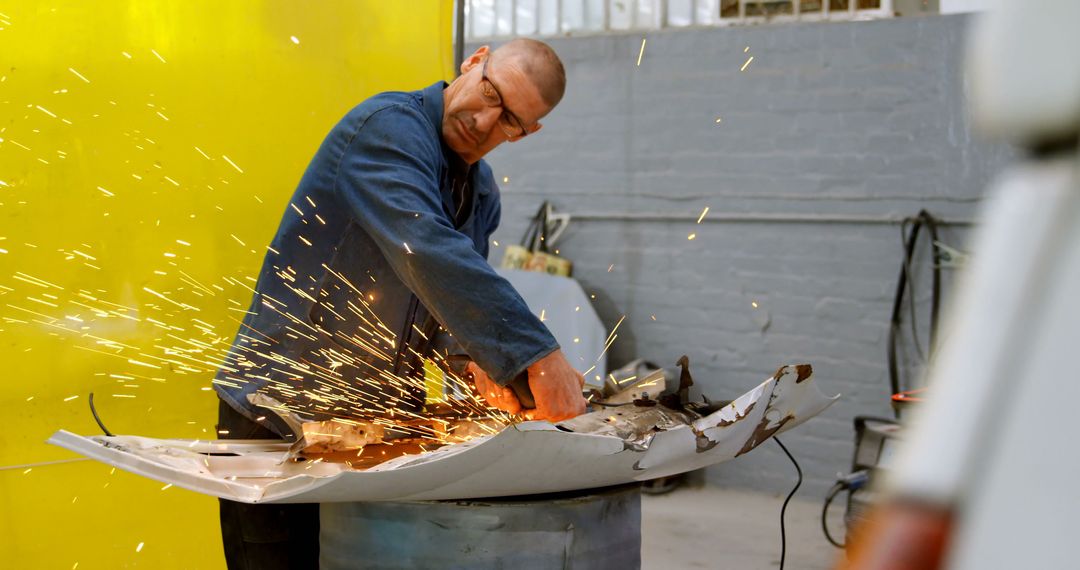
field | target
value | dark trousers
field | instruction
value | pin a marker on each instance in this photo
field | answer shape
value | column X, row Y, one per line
column 265, row 537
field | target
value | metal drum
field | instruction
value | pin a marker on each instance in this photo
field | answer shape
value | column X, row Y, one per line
column 594, row 529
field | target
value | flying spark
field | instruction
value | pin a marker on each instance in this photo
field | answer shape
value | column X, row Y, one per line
column 139, row 547
column 743, row 68
column 233, row 164
column 158, row 55
column 46, row 111
column 691, row 236
column 295, row 40
column 702, row 216
column 79, row 75
column 641, row 53
column 162, row 116
column 407, row 250
column 106, row 192
column 754, row 304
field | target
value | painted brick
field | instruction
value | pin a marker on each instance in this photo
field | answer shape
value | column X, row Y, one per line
column 863, row 118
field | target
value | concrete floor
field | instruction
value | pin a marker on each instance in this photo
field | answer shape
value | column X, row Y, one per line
column 722, row 528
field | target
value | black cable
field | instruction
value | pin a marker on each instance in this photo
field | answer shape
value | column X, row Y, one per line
column 930, row 222
column 923, row 218
column 836, row 489
column 783, row 509
column 96, row 418
column 908, row 275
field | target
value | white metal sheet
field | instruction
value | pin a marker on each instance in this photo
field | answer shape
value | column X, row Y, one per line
column 522, row 459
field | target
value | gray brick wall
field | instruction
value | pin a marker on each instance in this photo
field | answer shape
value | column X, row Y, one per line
column 854, row 119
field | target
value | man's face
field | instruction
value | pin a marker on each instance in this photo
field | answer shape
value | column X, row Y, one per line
column 472, row 124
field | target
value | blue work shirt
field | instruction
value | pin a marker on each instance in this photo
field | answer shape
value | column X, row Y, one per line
column 372, row 247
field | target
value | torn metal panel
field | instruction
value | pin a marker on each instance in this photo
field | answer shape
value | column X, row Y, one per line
column 610, row 446
column 649, row 386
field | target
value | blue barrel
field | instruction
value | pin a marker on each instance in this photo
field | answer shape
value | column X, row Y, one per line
column 595, row 529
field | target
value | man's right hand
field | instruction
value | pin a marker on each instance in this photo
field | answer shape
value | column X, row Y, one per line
column 556, row 389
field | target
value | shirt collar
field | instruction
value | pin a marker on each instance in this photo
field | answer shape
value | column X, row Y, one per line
column 432, row 97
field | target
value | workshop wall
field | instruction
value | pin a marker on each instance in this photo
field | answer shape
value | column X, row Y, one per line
column 147, row 151
column 863, row 120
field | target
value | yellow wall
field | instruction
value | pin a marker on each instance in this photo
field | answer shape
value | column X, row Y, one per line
column 233, row 84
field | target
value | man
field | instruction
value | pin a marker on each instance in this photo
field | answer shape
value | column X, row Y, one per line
column 381, row 253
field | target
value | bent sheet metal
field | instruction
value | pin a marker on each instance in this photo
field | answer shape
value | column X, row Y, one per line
column 611, row 446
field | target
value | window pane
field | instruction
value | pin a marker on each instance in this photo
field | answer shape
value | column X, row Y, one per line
column 729, row 8
column 573, row 15
column 647, row 14
column 526, row 17
column 769, row 7
column 838, row 5
column 680, row 13
column 620, row 14
column 504, row 13
column 869, row 4
column 547, row 17
column 811, row 6
column 707, row 11
column 594, row 15
column 481, row 18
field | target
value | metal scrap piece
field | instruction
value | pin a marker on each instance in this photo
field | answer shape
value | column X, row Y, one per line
column 529, row 457
column 635, row 425
column 340, row 435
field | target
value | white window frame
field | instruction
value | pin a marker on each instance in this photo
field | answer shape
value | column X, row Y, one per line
column 661, row 20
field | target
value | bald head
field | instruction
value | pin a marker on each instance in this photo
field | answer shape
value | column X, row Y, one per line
column 540, row 63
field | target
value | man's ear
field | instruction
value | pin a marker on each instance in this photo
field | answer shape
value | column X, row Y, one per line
column 475, row 59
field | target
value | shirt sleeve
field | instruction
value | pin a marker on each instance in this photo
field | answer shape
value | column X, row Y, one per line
column 388, row 177
column 492, row 222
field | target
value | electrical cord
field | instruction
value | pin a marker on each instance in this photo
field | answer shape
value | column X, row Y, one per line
column 96, row 418
column 833, row 492
column 783, row 509
column 851, row 483
column 923, row 218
